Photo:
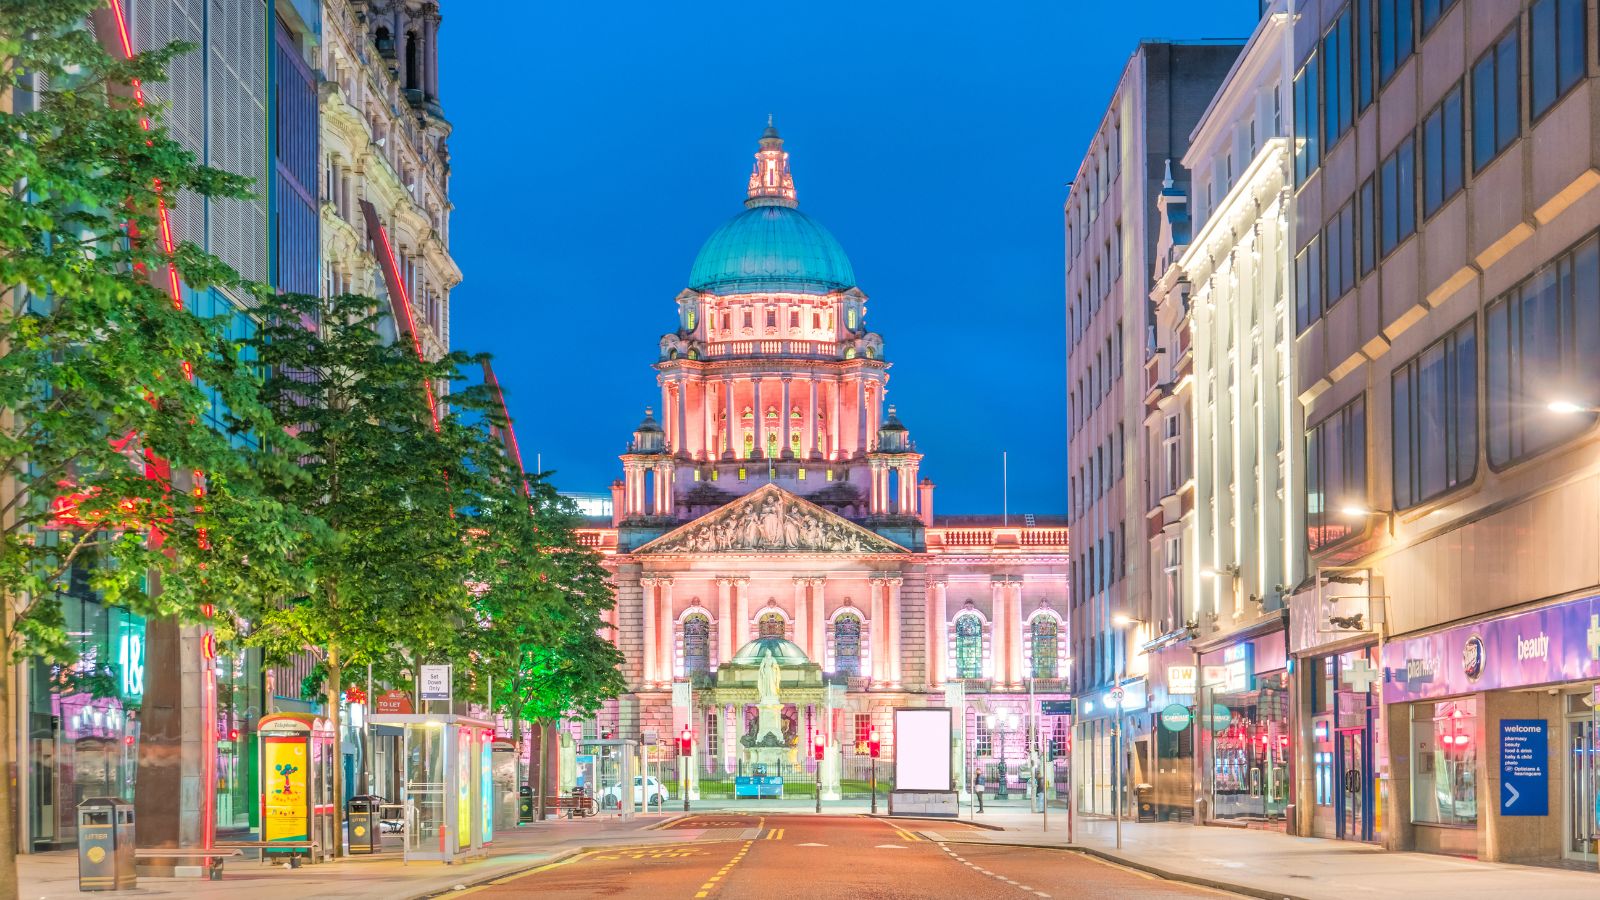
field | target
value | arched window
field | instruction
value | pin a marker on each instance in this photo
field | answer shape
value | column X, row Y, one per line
column 1045, row 629
column 696, row 643
column 770, row 625
column 969, row 647
column 847, row 644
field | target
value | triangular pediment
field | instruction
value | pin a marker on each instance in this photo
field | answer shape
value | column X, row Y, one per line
column 771, row 520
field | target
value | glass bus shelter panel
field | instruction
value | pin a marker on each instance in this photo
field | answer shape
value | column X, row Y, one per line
column 425, row 752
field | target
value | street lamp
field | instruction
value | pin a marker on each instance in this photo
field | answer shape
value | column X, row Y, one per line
column 1000, row 722
column 685, row 760
column 819, row 747
column 1568, row 408
column 873, row 746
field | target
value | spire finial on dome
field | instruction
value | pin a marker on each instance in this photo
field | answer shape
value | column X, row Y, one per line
column 771, row 183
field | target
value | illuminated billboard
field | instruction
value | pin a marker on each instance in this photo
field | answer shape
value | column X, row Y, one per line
column 922, row 749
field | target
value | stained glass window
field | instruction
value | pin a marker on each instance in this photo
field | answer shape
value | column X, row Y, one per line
column 696, row 643
column 847, row 644
column 1045, row 629
column 969, row 647
column 770, row 626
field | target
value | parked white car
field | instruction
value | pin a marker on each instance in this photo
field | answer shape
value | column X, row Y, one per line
column 645, row 790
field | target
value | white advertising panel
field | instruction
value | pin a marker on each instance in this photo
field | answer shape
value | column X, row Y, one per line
column 922, row 749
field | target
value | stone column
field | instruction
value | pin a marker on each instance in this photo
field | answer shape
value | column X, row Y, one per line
column 669, row 422
column 802, row 618
column 741, row 613
column 891, row 596
column 664, row 473
column 650, row 607
column 1000, row 639
column 680, row 434
column 666, row 633
column 861, row 416
column 819, row 620
column 811, row 421
column 732, row 418
column 880, row 631
column 786, row 422
column 938, row 613
column 432, row 44
column 835, row 436
column 760, row 417
column 1014, row 613
column 725, row 630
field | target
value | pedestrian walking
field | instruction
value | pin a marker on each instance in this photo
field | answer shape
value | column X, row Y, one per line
column 977, row 789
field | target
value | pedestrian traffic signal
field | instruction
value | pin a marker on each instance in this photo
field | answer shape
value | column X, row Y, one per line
column 818, row 746
column 873, row 744
column 686, row 742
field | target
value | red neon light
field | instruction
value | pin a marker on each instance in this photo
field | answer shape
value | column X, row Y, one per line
column 411, row 322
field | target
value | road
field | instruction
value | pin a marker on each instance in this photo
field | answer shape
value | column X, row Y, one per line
column 733, row 855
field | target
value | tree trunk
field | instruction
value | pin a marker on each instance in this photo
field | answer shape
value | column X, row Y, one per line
column 8, row 766
column 335, row 679
column 544, row 774
column 516, row 741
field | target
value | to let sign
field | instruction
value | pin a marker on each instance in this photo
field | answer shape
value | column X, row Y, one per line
column 435, row 684
column 393, row 703
column 1524, row 767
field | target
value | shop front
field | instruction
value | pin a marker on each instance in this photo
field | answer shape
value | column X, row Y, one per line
column 1174, row 682
column 1245, row 735
column 1347, row 758
column 1111, row 747
column 1492, row 727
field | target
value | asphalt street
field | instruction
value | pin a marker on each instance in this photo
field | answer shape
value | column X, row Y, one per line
column 731, row 855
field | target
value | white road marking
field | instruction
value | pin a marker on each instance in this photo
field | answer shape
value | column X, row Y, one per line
column 888, row 847
column 811, row 844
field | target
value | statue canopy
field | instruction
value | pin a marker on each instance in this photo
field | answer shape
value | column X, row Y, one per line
column 781, row 651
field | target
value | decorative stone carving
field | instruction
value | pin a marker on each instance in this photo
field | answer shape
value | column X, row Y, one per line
column 771, row 519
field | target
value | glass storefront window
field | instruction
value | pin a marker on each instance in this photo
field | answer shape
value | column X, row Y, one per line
column 1444, row 780
column 1250, row 750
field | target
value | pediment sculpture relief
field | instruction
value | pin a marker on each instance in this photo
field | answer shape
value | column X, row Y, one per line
column 771, row 520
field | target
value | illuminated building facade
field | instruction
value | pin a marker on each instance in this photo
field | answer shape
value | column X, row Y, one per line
column 778, row 496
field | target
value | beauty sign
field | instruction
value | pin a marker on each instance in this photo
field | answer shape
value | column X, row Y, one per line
column 1546, row 646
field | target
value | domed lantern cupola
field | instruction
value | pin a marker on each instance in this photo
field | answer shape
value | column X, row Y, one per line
column 771, row 182
column 894, row 437
column 648, row 437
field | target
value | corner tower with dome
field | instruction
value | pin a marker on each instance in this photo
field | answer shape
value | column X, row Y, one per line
column 772, row 499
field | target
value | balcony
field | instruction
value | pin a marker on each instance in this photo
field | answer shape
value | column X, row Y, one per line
column 812, row 349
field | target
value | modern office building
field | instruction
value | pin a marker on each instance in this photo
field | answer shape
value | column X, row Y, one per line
column 1447, row 311
column 1111, row 233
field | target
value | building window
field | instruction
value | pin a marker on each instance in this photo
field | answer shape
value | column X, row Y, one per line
column 983, row 746
column 1363, row 30
column 1496, row 100
column 847, row 644
column 1340, row 242
column 1444, row 751
column 1397, row 191
column 969, row 647
column 1338, row 105
column 1336, row 474
column 696, row 644
column 1367, row 236
column 1436, row 418
column 1045, row 631
column 770, row 625
column 1442, row 154
column 1433, row 11
column 1396, row 36
column 1542, row 338
column 1306, row 159
column 1308, row 284
column 863, row 732
column 1555, row 51
column 713, row 739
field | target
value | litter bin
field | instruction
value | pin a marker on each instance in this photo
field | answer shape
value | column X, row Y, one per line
column 1145, row 796
column 525, row 803
column 105, row 845
column 366, row 829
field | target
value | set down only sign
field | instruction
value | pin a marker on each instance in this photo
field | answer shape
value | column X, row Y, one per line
column 1524, row 767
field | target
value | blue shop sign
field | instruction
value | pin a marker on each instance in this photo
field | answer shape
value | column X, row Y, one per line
column 1524, row 767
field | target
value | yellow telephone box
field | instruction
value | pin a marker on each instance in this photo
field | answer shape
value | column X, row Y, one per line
column 297, row 785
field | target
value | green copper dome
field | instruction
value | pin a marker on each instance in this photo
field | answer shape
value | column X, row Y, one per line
column 784, row 652
column 771, row 248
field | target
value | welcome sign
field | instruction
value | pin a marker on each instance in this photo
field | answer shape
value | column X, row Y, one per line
column 1545, row 646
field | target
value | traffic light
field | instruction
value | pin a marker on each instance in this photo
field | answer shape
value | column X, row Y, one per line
column 818, row 746
column 686, row 742
column 873, row 744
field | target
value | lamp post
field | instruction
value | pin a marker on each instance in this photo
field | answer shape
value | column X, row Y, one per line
column 685, row 760
column 1000, row 722
column 873, row 746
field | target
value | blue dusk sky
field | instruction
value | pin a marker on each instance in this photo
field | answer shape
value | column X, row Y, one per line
column 596, row 146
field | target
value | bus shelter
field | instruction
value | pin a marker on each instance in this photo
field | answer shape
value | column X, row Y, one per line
column 297, row 785
column 612, row 771
column 447, row 784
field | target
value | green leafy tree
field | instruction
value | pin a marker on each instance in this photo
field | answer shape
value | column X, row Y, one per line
column 394, row 477
column 110, row 475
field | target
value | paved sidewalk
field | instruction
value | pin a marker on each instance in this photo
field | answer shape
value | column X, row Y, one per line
column 1268, row 864
column 54, row 876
